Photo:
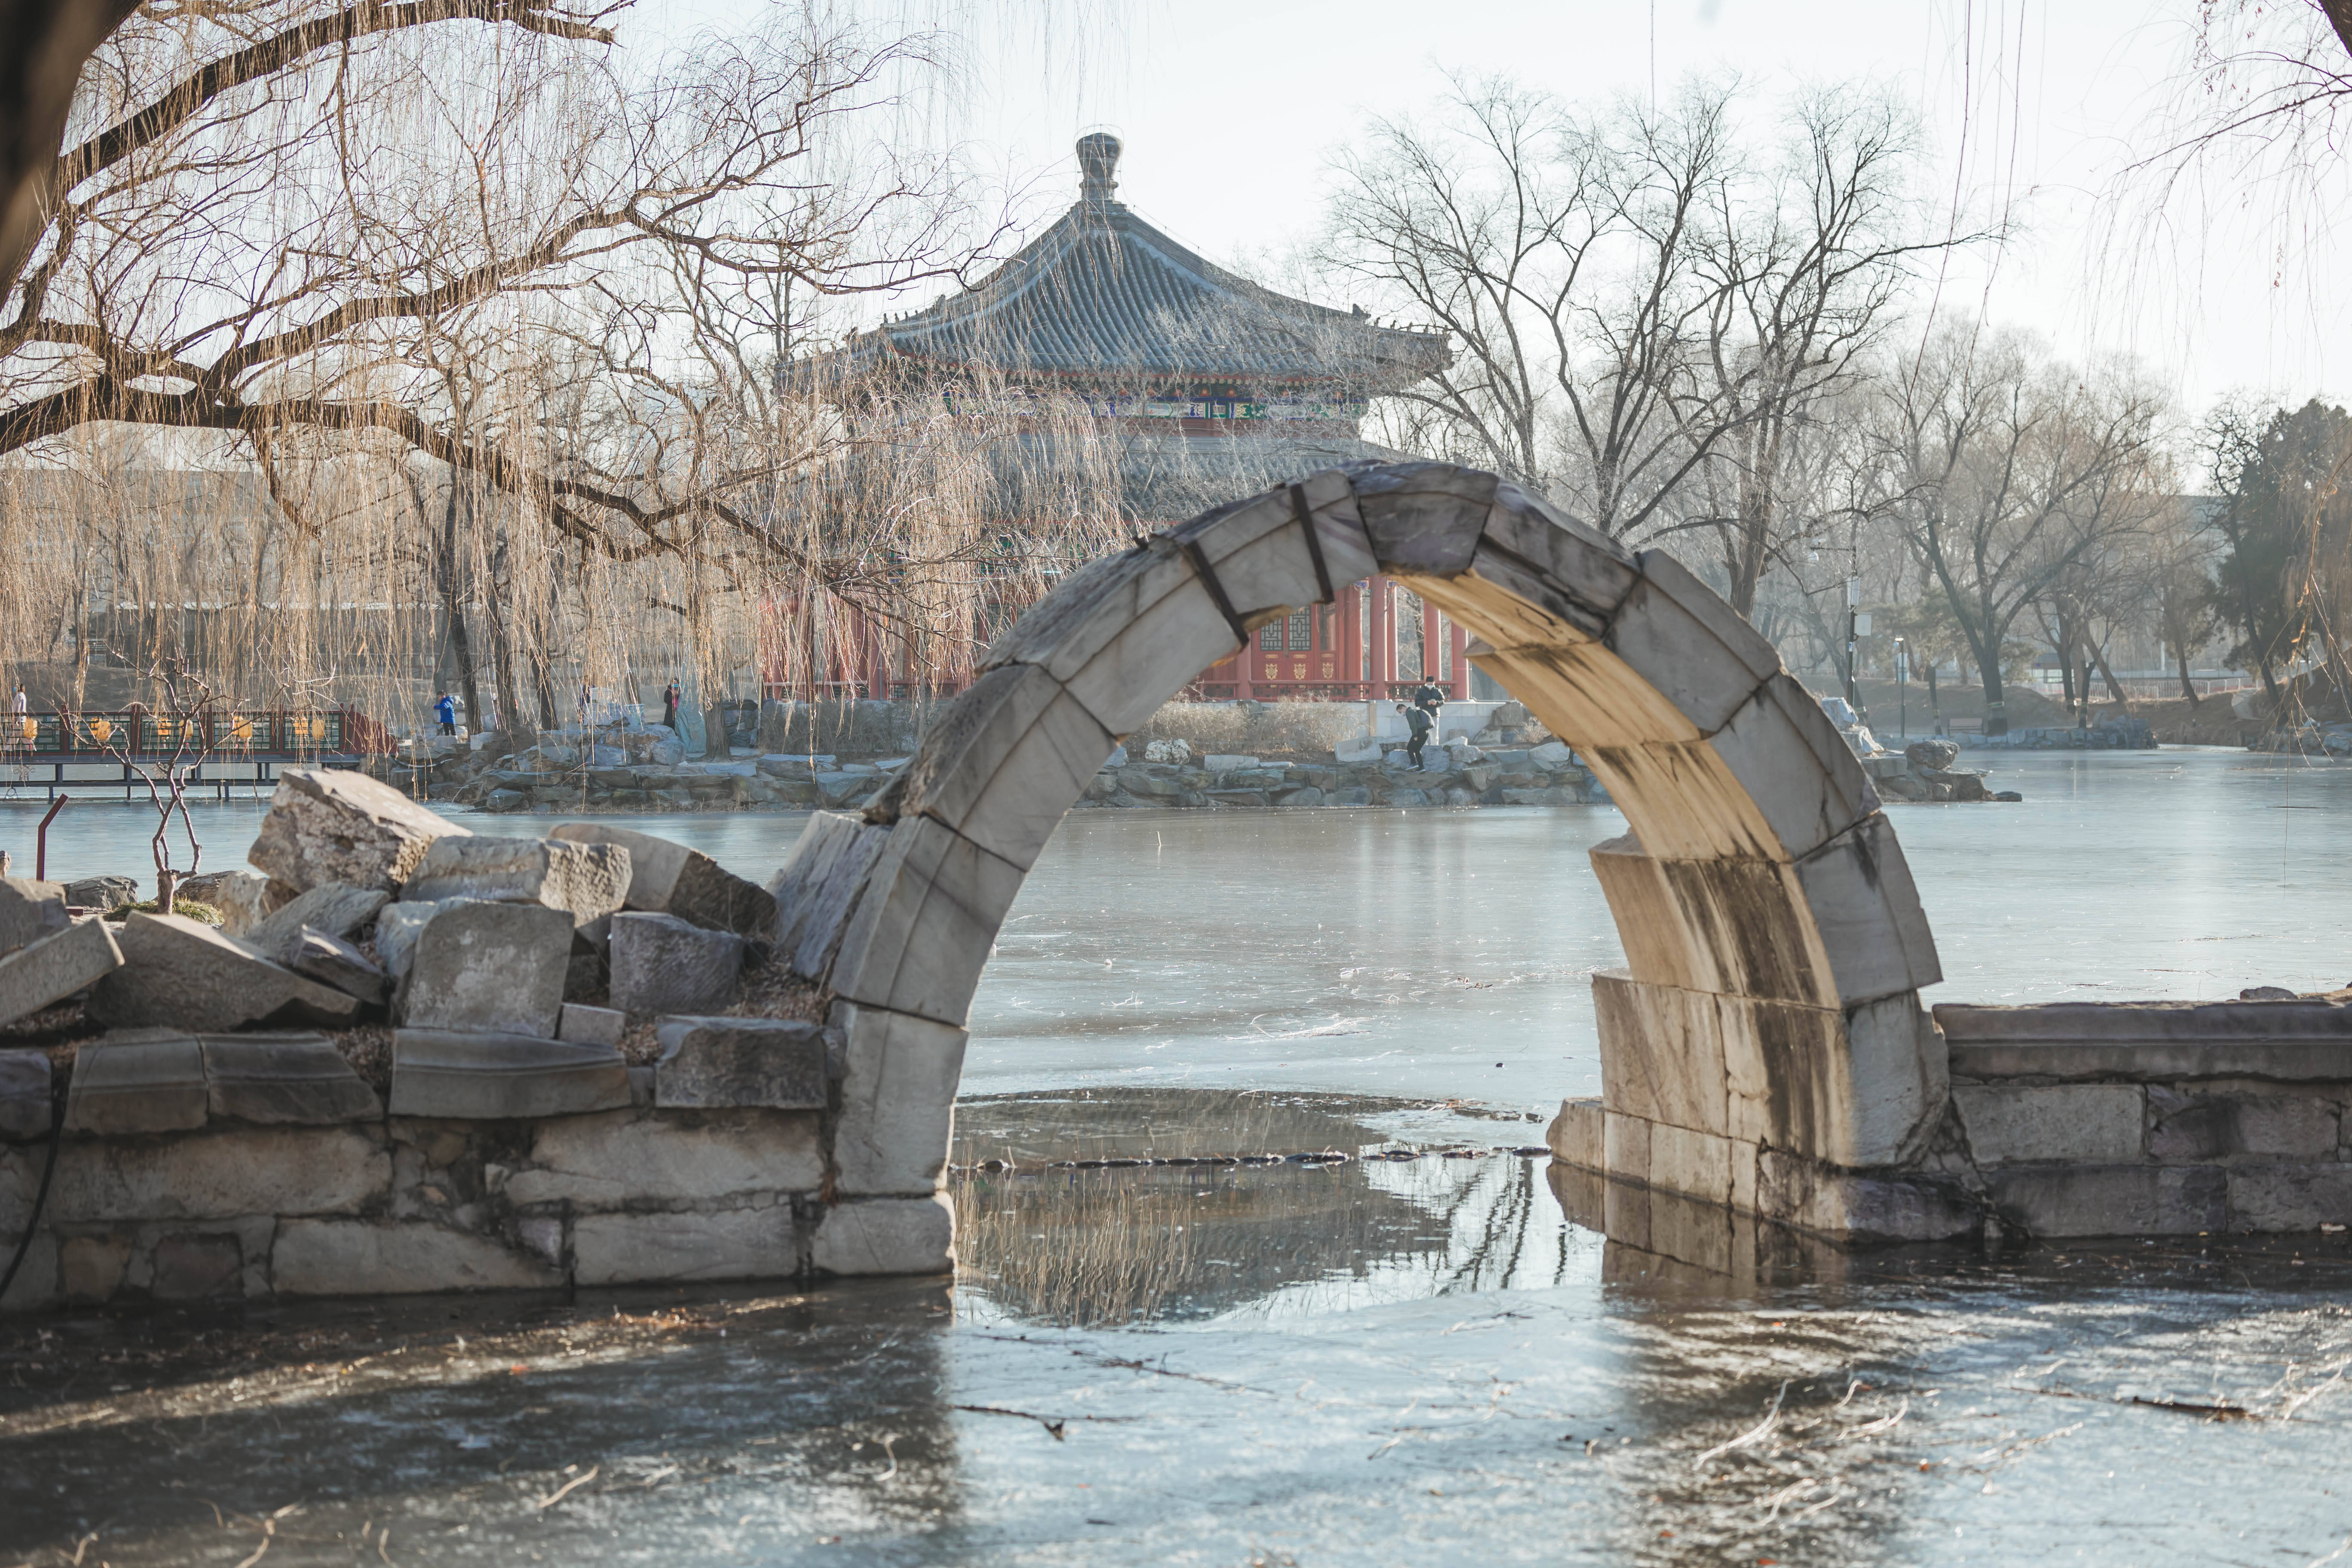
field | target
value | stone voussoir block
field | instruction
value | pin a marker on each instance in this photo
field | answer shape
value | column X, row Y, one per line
column 926, row 923
column 495, row 1077
column 55, row 967
column 284, row 1079
column 329, row 826
column 886, row 1236
column 495, row 967
column 585, row 880
column 661, row 963
column 137, row 1084
column 706, row 1061
column 1005, row 760
column 816, row 889
column 180, row 973
column 898, row 1100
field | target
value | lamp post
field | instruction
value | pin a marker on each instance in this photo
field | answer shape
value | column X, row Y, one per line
column 1903, row 689
column 1853, row 617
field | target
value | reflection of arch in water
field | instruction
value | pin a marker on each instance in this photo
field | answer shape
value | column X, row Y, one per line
column 1765, row 1035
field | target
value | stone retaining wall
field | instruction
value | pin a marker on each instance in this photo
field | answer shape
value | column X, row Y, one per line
column 2062, row 1121
column 528, row 1063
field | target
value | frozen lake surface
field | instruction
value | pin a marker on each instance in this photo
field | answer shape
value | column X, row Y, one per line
column 1420, row 1360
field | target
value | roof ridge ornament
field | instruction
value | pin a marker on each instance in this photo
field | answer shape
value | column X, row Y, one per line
column 1097, row 157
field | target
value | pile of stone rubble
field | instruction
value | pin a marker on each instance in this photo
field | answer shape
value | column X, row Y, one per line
column 510, row 968
column 1923, row 770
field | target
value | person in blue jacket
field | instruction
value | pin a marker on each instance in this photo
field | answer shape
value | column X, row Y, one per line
column 445, row 708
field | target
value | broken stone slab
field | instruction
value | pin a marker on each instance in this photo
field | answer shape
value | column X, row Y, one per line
column 775, row 1062
column 626, row 1158
column 491, row 966
column 246, row 900
column 284, row 1079
column 30, row 911
column 225, row 1174
column 137, row 1085
column 337, row 908
column 886, row 1235
column 667, row 878
column 332, row 961
column 25, row 1090
column 661, row 963
column 586, row 881
column 102, row 893
column 328, row 826
column 55, row 967
column 502, row 1076
column 178, row 972
column 585, row 1026
column 398, row 929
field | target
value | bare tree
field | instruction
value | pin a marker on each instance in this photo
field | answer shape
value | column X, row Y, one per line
column 2011, row 470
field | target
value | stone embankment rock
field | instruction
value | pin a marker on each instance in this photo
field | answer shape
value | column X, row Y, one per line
column 529, row 1062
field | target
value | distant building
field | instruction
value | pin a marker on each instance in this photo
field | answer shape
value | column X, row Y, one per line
column 1209, row 386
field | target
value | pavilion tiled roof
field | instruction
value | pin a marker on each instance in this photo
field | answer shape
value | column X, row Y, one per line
column 1102, row 296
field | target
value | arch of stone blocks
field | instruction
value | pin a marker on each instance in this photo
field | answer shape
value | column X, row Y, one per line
column 1774, row 944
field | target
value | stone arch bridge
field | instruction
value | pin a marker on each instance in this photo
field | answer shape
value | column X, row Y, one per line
column 1764, row 1048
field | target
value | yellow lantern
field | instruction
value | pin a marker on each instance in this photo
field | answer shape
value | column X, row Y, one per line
column 100, row 730
column 241, row 728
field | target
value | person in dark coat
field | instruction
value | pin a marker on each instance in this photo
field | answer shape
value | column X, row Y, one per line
column 1418, row 721
column 670, row 695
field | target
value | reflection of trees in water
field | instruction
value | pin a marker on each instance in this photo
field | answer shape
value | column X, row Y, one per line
column 1097, row 1247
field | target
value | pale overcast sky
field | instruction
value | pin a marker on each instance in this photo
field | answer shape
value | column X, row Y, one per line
column 1229, row 114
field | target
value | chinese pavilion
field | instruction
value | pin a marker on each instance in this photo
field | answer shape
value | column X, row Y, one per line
column 1212, row 387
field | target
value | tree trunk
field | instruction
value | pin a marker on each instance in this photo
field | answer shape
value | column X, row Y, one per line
column 2114, row 687
column 514, row 720
column 2188, row 687
column 453, row 603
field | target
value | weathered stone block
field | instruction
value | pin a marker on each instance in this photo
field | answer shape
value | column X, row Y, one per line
column 495, row 967
column 1576, row 1135
column 1003, row 761
column 1867, row 910
column 491, row 1076
column 661, row 963
column 2197, row 1127
column 1625, row 1147
column 711, row 1061
column 327, row 826
column 287, row 1079
column 2290, row 1197
column 926, row 923
column 2111, row 1200
column 886, row 1235
column 2305, row 1040
column 55, row 967
column 2097, row 1124
column 337, row 908
column 384, row 1257
column 105, row 894
column 1795, row 767
column 898, row 1100
column 585, row 1026
column 91, row 1268
column 586, row 881
column 25, row 1092
column 732, row 1244
column 221, row 1174
column 330, row 960
column 244, row 900
column 30, row 911
column 196, row 1266
column 1661, row 1052
column 1686, row 1161
column 188, row 975
column 625, row 1158
column 817, row 888
column 667, row 878
column 1861, row 1210
column 136, row 1086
